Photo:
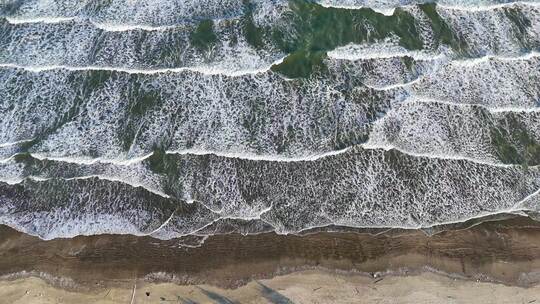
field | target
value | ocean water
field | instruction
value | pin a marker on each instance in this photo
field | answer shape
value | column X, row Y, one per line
column 172, row 118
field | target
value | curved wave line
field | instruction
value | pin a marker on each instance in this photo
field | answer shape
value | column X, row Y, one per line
column 83, row 177
column 45, row 20
column 422, row 99
column 421, row 227
column 93, row 161
column 248, row 218
column 435, row 156
column 228, row 218
column 107, row 26
column 509, row 210
column 192, row 233
column 389, row 10
column 349, row 52
column 395, row 86
column 474, row 61
column 113, row 179
column 104, row 26
column 528, row 197
column 202, row 70
column 342, row 53
column 487, row 7
column 165, row 223
column 256, row 157
column 112, row 27
column 14, row 143
column 195, row 152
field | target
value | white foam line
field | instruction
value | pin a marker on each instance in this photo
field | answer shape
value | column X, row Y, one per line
column 6, row 160
column 164, row 223
column 105, row 26
column 249, row 156
column 193, row 233
column 93, row 161
column 479, row 60
column 11, row 181
column 203, row 70
column 46, row 20
column 364, row 53
column 394, row 86
column 487, row 7
column 478, row 216
column 528, row 197
column 435, row 156
column 510, row 210
column 387, row 11
column 197, row 152
column 249, row 218
column 515, row 109
column 101, row 177
column 342, row 53
column 14, row 143
column 198, row 230
column 112, row 27
column 201, row 241
column 225, row 217
column 506, row 109
column 111, row 179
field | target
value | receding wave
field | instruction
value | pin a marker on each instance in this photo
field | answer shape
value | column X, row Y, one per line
column 350, row 189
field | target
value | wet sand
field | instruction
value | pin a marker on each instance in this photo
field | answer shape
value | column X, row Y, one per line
column 503, row 252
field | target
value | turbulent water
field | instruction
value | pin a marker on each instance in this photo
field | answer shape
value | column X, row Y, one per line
column 170, row 118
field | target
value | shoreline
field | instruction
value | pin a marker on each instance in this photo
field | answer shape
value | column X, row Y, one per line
column 503, row 251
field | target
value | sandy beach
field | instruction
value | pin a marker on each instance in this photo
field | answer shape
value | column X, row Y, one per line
column 300, row 287
column 495, row 261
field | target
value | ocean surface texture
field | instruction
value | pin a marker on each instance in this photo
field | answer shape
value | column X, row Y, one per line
column 199, row 117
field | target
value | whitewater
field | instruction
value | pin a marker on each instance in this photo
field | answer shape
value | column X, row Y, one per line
column 167, row 119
